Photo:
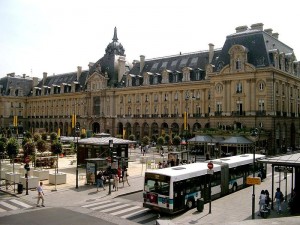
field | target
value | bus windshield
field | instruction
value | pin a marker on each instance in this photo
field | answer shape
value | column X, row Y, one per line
column 157, row 186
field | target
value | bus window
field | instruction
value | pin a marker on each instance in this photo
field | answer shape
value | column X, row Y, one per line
column 160, row 187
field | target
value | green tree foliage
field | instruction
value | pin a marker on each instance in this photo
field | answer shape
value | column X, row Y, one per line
column 131, row 137
column 53, row 136
column 12, row 147
column 29, row 148
column 44, row 136
column 160, row 141
column 3, row 139
column 176, row 140
column 2, row 147
column 83, row 135
column 56, row 147
column 41, row 145
column 27, row 135
column 36, row 137
column 145, row 140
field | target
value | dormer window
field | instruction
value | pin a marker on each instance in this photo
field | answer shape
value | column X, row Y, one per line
column 175, row 77
column 155, row 79
column 238, row 64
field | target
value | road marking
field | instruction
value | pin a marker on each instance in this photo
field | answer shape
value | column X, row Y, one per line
column 8, row 205
column 125, row 210
column 96, row 203
column 114, row 208
column 104, row 206
column 135, row 213
column 2, row 210
column 20, row 203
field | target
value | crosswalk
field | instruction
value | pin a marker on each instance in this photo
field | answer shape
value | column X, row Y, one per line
column 13, row 204
column 134, row 213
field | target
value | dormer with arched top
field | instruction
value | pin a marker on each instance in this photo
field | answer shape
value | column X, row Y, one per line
column 96, row 82
column 238, row 58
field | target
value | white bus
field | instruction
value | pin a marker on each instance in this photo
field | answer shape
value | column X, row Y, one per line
column 173, row 189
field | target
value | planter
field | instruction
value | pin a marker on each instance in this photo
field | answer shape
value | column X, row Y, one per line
column 61, row 178
column 33, row 182
column 41, row 174
column 12, row 177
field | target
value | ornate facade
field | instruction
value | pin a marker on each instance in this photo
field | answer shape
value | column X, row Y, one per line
column 252, row 81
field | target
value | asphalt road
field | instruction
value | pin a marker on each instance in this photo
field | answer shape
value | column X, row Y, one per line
column 52, row 216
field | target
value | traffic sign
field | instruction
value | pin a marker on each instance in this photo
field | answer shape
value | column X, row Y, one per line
column 210, row 165
column 253, row 180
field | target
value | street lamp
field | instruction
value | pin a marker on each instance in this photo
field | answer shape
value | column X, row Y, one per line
column 77, row 134
column 111, row 146
column 255, row 133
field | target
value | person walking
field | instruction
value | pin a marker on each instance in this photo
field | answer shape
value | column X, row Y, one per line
column 40, row 195
column 99, row 179
column 278, row 199
column 262, row 201
column 268, row 199
column 116, row 182
column 125, row 176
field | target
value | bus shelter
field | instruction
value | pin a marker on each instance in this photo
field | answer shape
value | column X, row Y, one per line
column 286, row 164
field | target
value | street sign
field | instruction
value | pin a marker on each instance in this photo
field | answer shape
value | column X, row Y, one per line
column 253, row 180
column 210, row 172
column 210, row 165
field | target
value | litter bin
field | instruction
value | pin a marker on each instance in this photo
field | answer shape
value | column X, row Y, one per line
column 200, row 204
column 20, row 188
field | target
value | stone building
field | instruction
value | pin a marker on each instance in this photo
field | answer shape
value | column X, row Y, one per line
column 252, row 81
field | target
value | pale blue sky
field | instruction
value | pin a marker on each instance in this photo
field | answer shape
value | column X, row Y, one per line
column 56, row 36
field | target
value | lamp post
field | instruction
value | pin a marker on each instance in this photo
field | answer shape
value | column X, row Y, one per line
column 255, row 133
column 111, row 146
column 77, row 134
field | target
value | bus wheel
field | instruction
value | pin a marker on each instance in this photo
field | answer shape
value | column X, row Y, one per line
column 234, row 188
column 190, row 204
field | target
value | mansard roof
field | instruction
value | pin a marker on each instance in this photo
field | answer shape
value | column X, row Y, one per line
column 258, row 42
column 17, row 83
column 66, row 78
column 175, row 63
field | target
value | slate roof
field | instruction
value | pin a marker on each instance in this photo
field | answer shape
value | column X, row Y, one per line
column 237, row 140
column 18, row 82
column 202, row 138
column 67, row 78
column 258, row 42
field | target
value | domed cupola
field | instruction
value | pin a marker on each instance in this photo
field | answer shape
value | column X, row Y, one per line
column 115, row 47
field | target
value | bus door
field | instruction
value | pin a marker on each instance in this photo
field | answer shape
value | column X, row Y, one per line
column 179, row 195
column 224, row 179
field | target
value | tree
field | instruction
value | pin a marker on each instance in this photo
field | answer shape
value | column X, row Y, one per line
column 56, row 148
column 131, row 137
column 176, row 141
column 27, row 135
column 29, row 148
column 41, row 145
column 53, row 136
column 12, row 148
column 2, row 147
column 44, row 136
column 168, row 140
column 83, row 135
column 36, row 137
column 145, row 140
column 160, row 142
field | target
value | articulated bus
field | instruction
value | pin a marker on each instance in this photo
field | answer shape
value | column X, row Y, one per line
column 174, row 189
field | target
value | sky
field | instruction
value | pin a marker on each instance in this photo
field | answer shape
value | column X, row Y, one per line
column 56, row 36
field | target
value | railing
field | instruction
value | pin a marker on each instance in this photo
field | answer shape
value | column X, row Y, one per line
column 261, row 113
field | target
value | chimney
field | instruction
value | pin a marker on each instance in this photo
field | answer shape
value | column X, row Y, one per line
column 24, row 75
column 275, row 35
column 121, row 70
column 211, row 52
column 35, row 81
column 142, row 62
column 79, row 71
column 44, row 77
column 269, row 31
column 257, row 26
column 241, row 28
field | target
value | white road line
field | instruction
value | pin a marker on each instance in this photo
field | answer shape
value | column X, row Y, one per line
column 8, row 205
column 20, row 203
column 2, row 210
column 96, row 203
column 103, row 206
column 114, row 208
column 135, row 213
column 125, row 210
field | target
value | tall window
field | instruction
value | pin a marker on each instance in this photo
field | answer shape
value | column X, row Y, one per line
column 239, row 107
column 219, row 106
column 197, row 74
column 239, row 87
column 261, row 105
column 155, row 80
column 175, row 77
column 238, row 64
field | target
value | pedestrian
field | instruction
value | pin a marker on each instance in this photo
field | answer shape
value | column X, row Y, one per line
column 119, row 172
column 278, row 199
column 125, row 176
column 262, row 201
column 268, row 199
column 116, row 182
column 100, row 179
column 40, row 195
